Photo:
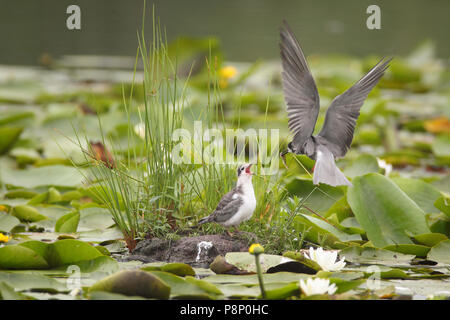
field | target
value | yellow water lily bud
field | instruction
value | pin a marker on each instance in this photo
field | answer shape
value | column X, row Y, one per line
column 4, row 238
column 256, row 249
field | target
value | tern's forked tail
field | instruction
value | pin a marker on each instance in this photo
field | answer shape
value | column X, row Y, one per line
column 326, row 171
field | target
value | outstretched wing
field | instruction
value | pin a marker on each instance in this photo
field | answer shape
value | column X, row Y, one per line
column 300, row 91
column 341, row 116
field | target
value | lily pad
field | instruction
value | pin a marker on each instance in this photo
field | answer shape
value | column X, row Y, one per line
column 368, row 255
column 134, row 283
column 61, row 176
column 440, row 252
column 68, row 223
column 422, row 193
column 365, row 163
column 19, row 257
column 27, row 213
column 415, row 249
column 9, row 137
column 7, row 222
column 430, row 239
column 385, row 212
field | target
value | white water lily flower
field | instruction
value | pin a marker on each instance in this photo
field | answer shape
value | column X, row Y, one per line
column 326, row 259
column 317, row 286
column 386, row 166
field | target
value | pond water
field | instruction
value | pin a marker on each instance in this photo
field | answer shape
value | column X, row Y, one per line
column 247, row 29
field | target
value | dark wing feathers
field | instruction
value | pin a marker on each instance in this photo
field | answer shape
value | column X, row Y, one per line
column 300, row 91
column 341, row 116
column 226, row 208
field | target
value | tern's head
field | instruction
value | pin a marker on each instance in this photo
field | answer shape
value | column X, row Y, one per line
column 244, row 170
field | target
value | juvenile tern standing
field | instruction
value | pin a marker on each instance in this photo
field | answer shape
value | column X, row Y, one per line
column 237, row 205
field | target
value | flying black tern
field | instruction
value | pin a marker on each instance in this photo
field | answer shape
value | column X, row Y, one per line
column 302, row 99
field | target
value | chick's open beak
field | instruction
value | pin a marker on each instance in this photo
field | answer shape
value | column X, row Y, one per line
column 247, row 169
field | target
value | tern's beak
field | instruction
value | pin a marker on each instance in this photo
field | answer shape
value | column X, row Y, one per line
column 247, row 169
column 283, row 157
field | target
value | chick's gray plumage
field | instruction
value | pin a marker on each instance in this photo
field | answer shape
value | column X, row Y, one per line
column 303, row 105
column 238, row 204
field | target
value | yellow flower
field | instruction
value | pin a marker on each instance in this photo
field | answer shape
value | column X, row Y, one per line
column 4, row 238
column 256, row 248
column 227, row 72
column 3, row 208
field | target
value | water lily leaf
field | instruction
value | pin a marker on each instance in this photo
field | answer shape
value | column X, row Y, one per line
column 422, row 193
column 8, row 293
column 102, row 295
column 283, row 292
column 134, row 283
column 27, row 213
column 95, row 218
column 21, row 193
column 430, row 239
column 365, row 163
column 384, row 211
column 7, row 222
column 31, row 281
column 253, row 278
column 58, row 175
column 178, row 269
column 9, row 137
column 415, row 249
column 440, row 252
column 344, row 285
column 69, row 251
column 186, row 288
column 352, row 226
column 68, row 223
column 221, row 266
column 246, row 261
column 103, row 264
column 441, row 146
column 317, row 201
column 443, row 204
column 320, row 228
column 368, row 255
column 19, row 257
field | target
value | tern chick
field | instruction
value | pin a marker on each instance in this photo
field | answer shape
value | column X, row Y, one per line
column 237, row 205
column 302, row 99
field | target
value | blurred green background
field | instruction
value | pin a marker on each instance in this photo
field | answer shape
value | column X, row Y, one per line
column 248, row 29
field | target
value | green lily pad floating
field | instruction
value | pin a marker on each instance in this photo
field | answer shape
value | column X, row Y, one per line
column 422, row 193
column 9, row 137
column 95, row 218
column 30, row 281
column 317, row 228
column 246, row 261
column 68, row 223
column 415, row 249
column 176, row 268
column 7, row 222
column 430, row 239
column 365, row 163
column 133, row 283
column 351, row 225
column 69, row 251
column 102, row 295
column 19, row 257
column 317, row 201
column 384, row 211
column 8, row 293
column 368, row 255
column 188, row 288
column 58, row 176
column 443, row 204
column 27, row 213
column 440, row 252
column 441, row 146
